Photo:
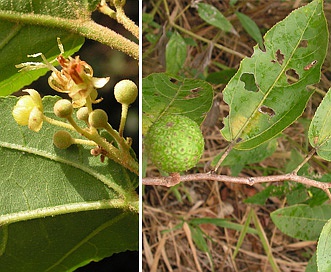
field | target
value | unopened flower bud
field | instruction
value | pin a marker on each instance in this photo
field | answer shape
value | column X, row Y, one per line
column 126, row 92
column 82, row 114
column 63, row 108
column 98, row 118
column 62, row 139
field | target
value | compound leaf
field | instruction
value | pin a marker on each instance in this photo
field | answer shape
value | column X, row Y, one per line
column 269, row 91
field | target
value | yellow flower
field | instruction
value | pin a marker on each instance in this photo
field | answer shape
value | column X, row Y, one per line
column 28, row 110
column 76, row 79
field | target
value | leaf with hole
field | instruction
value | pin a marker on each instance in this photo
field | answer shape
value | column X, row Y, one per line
column 269, row 91
column 164, row 94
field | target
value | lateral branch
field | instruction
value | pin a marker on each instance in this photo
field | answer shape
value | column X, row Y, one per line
column 170, row 181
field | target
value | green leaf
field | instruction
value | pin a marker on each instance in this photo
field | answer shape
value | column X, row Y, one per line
column 318, row 196
column 297, row 194
column 66, row 242
column 251, row 27
column 224, row 223
column 214, row 17
column 261, row 111
column 200, row 241
column 17, row 39
column 264, row 241
column 272, row 190
column 302, row 221
column 243, row 233
column 59, row 209
column 175, row 54
column 312, row 265
column 222, row 77
column 319, row 132
column 323, row 248
column 164, row 94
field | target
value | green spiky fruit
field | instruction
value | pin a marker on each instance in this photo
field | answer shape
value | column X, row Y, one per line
column 174, row 143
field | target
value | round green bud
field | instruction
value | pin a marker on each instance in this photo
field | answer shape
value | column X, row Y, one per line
column 62, row 139
column 63, row 108
column 82, row 114
column 126, row 92
column 98, row 118
column 174, row 143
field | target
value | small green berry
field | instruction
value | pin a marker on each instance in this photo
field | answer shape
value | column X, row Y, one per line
column 126, row 92
column 98, row 118
column 62, row 139
column 63, row 108
column 174, row 143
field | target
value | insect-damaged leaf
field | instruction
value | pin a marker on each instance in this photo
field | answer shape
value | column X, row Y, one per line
column 269, row 91
column 164, row 94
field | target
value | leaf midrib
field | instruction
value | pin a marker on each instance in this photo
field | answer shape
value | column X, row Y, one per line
column 82, row 167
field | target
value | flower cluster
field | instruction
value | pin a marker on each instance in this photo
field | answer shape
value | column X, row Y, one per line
column 76, row 79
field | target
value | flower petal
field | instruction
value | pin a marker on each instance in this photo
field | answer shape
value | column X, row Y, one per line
column 22, row 109
column 100, row 82
column 35, row 97
column 35, row 119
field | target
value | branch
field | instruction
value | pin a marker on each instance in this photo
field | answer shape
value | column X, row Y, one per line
column 86, row 28
column 174, row 179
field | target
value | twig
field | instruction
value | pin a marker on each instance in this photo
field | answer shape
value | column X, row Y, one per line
column 225, row 154
column 169, row 181
column 308, row 157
